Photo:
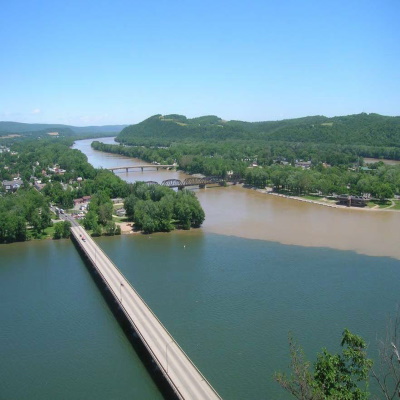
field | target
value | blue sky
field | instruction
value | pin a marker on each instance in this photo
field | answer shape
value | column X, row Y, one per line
column 102, row 62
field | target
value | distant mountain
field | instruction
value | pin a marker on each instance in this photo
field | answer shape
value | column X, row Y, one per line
column 8, row 127
column 359, row 129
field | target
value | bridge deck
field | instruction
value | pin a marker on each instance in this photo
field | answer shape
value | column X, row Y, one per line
column 183, row 376
column 142, row 166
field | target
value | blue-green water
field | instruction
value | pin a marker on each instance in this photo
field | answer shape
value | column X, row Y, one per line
column 230, row 303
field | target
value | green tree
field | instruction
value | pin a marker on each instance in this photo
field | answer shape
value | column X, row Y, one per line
column 383, row 191
column 62, row 230
column 58, row 230
column 90, row 220
column 66, row 225
column 97, row 229
column 335, row 376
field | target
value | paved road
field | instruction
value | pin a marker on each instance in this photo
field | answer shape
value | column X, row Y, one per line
column 184, row 377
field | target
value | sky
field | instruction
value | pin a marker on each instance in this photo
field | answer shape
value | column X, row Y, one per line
column 82, row 62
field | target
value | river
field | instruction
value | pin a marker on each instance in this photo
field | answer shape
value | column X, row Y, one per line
column 250, row 214
column 229, row 293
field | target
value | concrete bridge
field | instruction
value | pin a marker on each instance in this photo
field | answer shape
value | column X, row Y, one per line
column 142, row 167
column 184, row 378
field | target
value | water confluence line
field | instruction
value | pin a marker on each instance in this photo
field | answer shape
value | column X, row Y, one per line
column 180, row 372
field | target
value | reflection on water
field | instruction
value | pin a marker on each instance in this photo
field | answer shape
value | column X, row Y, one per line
column 247, row 213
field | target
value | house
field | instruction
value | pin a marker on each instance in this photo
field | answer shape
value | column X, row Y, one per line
column 82, row 200
column 303, row 164
column 39, row 185
column 358, row 201
column 12, row 186
column 121, row 212
column 57, row 170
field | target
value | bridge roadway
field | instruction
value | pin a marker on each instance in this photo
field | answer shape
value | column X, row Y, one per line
column 183, row 376
column 128, row 167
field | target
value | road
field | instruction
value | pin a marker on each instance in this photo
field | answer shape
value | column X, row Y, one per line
column 185, row 379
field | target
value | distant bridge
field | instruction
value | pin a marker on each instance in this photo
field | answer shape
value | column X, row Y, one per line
column 200, row 182
column 142, row 167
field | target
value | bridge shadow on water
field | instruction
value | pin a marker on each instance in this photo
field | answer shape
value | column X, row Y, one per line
column 152, row 368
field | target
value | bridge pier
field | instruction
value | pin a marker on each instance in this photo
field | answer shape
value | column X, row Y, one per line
column 202, row 186
column 181, row 187
column 127, row 169
column 141, row 168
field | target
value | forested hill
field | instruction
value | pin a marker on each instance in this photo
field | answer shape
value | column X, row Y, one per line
column 359, row 129
column 23, row 129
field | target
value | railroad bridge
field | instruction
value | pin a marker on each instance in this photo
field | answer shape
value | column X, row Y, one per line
column 193, row 181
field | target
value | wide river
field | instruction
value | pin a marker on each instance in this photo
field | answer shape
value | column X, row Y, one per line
column 229, row 292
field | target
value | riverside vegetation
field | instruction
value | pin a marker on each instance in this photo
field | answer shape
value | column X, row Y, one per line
column 346, row 376
column 25, row 213
column 334, row 146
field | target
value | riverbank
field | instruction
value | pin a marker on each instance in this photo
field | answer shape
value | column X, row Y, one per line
column 325, row 202
column 248, row 213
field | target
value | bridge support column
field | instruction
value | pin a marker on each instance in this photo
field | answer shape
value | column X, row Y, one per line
column 127, row 169
column 141, row 168
column 181, row 187
column 202, row 186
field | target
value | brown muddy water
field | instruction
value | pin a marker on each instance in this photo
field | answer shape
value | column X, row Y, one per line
column 246, row 213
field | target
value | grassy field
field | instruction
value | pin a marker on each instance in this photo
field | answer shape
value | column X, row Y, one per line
column 312, row 197
column 380, row 204
column 396, row 205
column 47, row 233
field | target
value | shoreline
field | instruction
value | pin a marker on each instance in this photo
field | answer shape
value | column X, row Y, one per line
column 322, row 203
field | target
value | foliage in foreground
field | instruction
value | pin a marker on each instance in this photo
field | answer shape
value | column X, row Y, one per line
column 334, row 376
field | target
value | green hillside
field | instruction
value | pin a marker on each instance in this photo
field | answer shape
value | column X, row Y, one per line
column 35, row 130
column 360, row 129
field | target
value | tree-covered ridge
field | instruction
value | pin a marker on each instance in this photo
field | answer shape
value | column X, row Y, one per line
column 360, row 129
column 36, row 130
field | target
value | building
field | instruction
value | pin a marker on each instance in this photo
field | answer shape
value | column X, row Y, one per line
column 356, row 201
column 82, row 200
column 12, row 186
column 303, row 164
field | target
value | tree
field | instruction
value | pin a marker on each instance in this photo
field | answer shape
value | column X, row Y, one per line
column 58, row 230
column 129, row 205
column 335, row 376
column 187, row 210
column 66, row 229
column 111, row 228
column 62, row 230
column 97, row 229
column 387, row 370
column 383, row 191
column 301, row 382
column 90, row 220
